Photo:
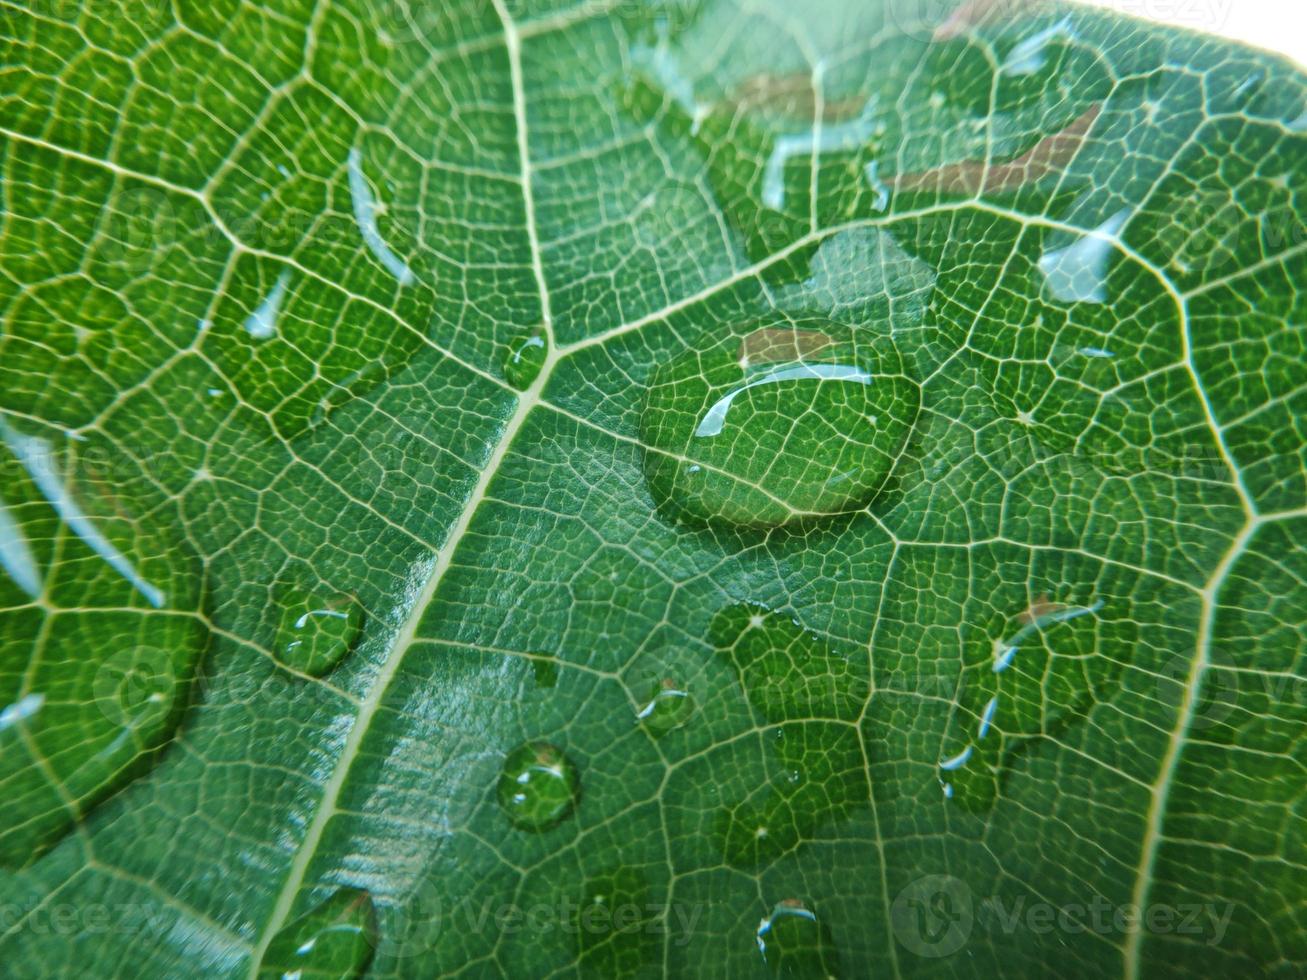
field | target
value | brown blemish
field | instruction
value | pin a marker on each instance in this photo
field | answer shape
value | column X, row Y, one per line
column 770, row 345
column 974, row 13
column 1039, row 608
column 792, row 95
column 1051, row 155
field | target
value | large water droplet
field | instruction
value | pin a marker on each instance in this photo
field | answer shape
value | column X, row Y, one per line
column 796, row 943
column 777, row 425
column 315, row 633
column 1036, row 681
column 525, row 357
column 539, row 786
column 811, row 693
column 670, row 706
column 332, row 941
column 106, row 662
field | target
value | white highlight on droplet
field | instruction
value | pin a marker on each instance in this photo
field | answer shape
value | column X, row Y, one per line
column 715, row 417
column 1008, row 651
column 1031, row 54
column 365, row 215
column 1078, row 272
column 262, row 323
column 1247, row 85
column 1095, row 352
column 35, row 454
column 20, row 710
column 825, row 139
column 958, row 761
column 16, row 555
column 987, row 717
column 663, row 64
column 872, row 172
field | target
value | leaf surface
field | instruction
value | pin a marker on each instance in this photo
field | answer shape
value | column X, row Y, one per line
column 266, row 273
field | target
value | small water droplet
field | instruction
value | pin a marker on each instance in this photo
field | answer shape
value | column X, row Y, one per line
column 332, row 941
column 670, row 706
column 315, row 633
column 525, row 357
column 545, row 668
column 539, row 786
column 1077, row 273
column 794, row 942
column 775, row 425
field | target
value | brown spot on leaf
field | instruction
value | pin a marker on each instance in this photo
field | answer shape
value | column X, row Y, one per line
column 1050, row 156
column 770, row 345
column 1039, row 608
column 792, row 95
column 974, row 13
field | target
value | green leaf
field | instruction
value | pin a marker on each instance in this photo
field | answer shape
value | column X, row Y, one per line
column 353, row 357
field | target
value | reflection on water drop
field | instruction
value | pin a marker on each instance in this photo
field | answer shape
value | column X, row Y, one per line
column 777, row 425
column 262, row 323
column 21, row 710
column 832, row 137
column 663, row 65
column 539, row 786
column 315, row 633
column 1077, row 273
column 103, row 677
column 36, row 455
column 332, row 941
column 1096, row 352
column 1031, row 55
column 670, row 707
column 878, row 187
column 525, row 357
column 365, row 216
column 794, row 942
column 16, row 555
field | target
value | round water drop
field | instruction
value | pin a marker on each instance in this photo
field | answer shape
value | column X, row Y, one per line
column 795, row 943
column 315, row 634
column 545, row 669
column 525, row 357
column 777, row 424
column 539, row 786
column 670, row 706
column 332, row 941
